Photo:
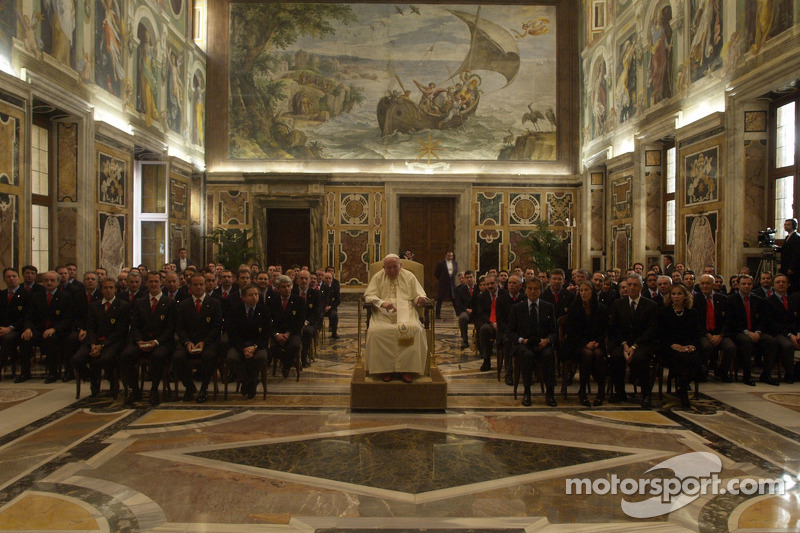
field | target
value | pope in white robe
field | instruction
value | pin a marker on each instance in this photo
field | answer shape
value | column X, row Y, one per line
column 396, row 341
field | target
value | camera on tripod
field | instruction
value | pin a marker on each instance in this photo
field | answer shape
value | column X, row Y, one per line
column 766, row 238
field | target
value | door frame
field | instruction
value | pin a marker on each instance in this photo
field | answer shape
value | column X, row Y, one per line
column 461, row 192
column 315, row 206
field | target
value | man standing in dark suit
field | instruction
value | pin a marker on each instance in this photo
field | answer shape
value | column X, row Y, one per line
column 106, row 335
column 46, row 326
column 331, row 300
column 311, row 298
column 633, row 340
column 13, row 308
column 790, row 255
column 712, row 312
column 288, row 314
column 29, row 273
column 197, row 329
column 466, row 303
column 532, row 331
column 556, row 294
column 486, row 321
column 746, row 326
column 248, row 334
column 152, row 336
column 182, row 262
column 445, row 272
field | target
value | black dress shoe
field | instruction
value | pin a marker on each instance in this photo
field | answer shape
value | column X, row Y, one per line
column 725, row 378
column 647, row 402
column 22, row 378
column 50, row 379
column 188, row 396
column 154, row 397
column 94, row 388
column 334, row 336
column 597, row 402
column 486, row 366
column 67, row 377
column 749, row 382
column 306, row 364
column 526, row 399
column 509, row 381
column 464, row 345
column 133, row 397
column 583, row 399
column 202, row 397
column 769, row 380
column 285, row 372
column 251, row 390
column 550, row 399
column 685, row 400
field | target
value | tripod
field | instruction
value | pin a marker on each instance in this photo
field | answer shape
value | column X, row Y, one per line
column 767, row 262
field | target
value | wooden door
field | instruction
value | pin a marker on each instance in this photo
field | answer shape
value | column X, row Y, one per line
column 288, row 237
column 427, row 228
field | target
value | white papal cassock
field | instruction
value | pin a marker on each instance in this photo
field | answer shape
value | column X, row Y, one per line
column 395, row 341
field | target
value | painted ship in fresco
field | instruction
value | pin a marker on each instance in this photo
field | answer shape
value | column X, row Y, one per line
column 492, row 48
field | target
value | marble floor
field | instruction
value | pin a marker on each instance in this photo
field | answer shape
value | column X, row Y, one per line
column 302, row 461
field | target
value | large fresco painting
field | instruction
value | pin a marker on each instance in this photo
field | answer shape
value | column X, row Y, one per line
column 392, row 81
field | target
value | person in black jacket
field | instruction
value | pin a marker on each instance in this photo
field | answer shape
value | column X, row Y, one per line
column 106, row 335
column 312, row 298
column 197, row 329
column 586, row 328
column 152, row 336
column 466, row 304
column 712, row 309
column 790, row 255
column 47, row 325
column 486, row 320
column 82, row 300
column 632, row 340
column 680, row 336
column 331, row 298
column 556, row 294
column 14, row 301
column 532, row 331
column 445, row 272
column 782, row 325
column 288, row 313
column 248, row 333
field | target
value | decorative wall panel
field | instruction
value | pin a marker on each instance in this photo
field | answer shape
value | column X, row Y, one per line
column 111, row 238
column 67, row 235
column 11, row 143
column 701, row 240
column 654, row 215
column 354, row 257
column 178, row 198
column 755, row 168
column 67, row 135
column 9, row 228
column 234, row 208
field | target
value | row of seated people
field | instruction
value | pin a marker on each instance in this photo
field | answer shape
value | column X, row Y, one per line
column 685, row 330
column 92, row 328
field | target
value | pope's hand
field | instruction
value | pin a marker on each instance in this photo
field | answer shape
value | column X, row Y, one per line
column 422, row 300
column 388, row 306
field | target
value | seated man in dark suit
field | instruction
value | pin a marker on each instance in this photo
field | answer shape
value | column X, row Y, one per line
column 782, row 326
column 29, row 273
column 288, row 315
column 556, row 294
column 106, row 335
column 650, row 290
column 152, row 335
column 331, row 300
column 532, row 332
column 632, row 340
column 14, row 302
column 746, row 327
column 712, row 308
column 505, row 302
column 82, row 301
column 465, row 303
column 173, row 289
column 197, row 329
column 248, row 333
column 134, row 288
column 764, row 289
column 47, row 326
column 313, row 319
column 486, row 321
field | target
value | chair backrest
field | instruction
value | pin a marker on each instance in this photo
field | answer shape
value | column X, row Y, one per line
column 418, row 269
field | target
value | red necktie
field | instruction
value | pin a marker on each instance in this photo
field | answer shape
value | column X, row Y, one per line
column 493, row 313
column 785, row 302
column 88, row 298
column 155, row 304
column 470, row 292
column 555, row 297
column 303, row 295
column 710, row 318
column 224, row 294
column 197, row 304
column 747, row 312
column 171, row 295
column 49, row 298
column 27, row 288
column 132, row 296
column 284, row 304
column 10, row 296
column 108, row 306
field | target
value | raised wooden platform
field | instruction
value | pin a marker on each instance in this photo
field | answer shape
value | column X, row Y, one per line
column 425, row 393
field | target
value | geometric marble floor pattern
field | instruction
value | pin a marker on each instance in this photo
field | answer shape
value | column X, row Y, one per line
column 302, row 461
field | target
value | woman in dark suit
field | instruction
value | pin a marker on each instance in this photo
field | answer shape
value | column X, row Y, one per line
column 586, row 327
column 680, row 335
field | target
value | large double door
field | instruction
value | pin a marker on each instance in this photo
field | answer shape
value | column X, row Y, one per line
column 427, row 227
